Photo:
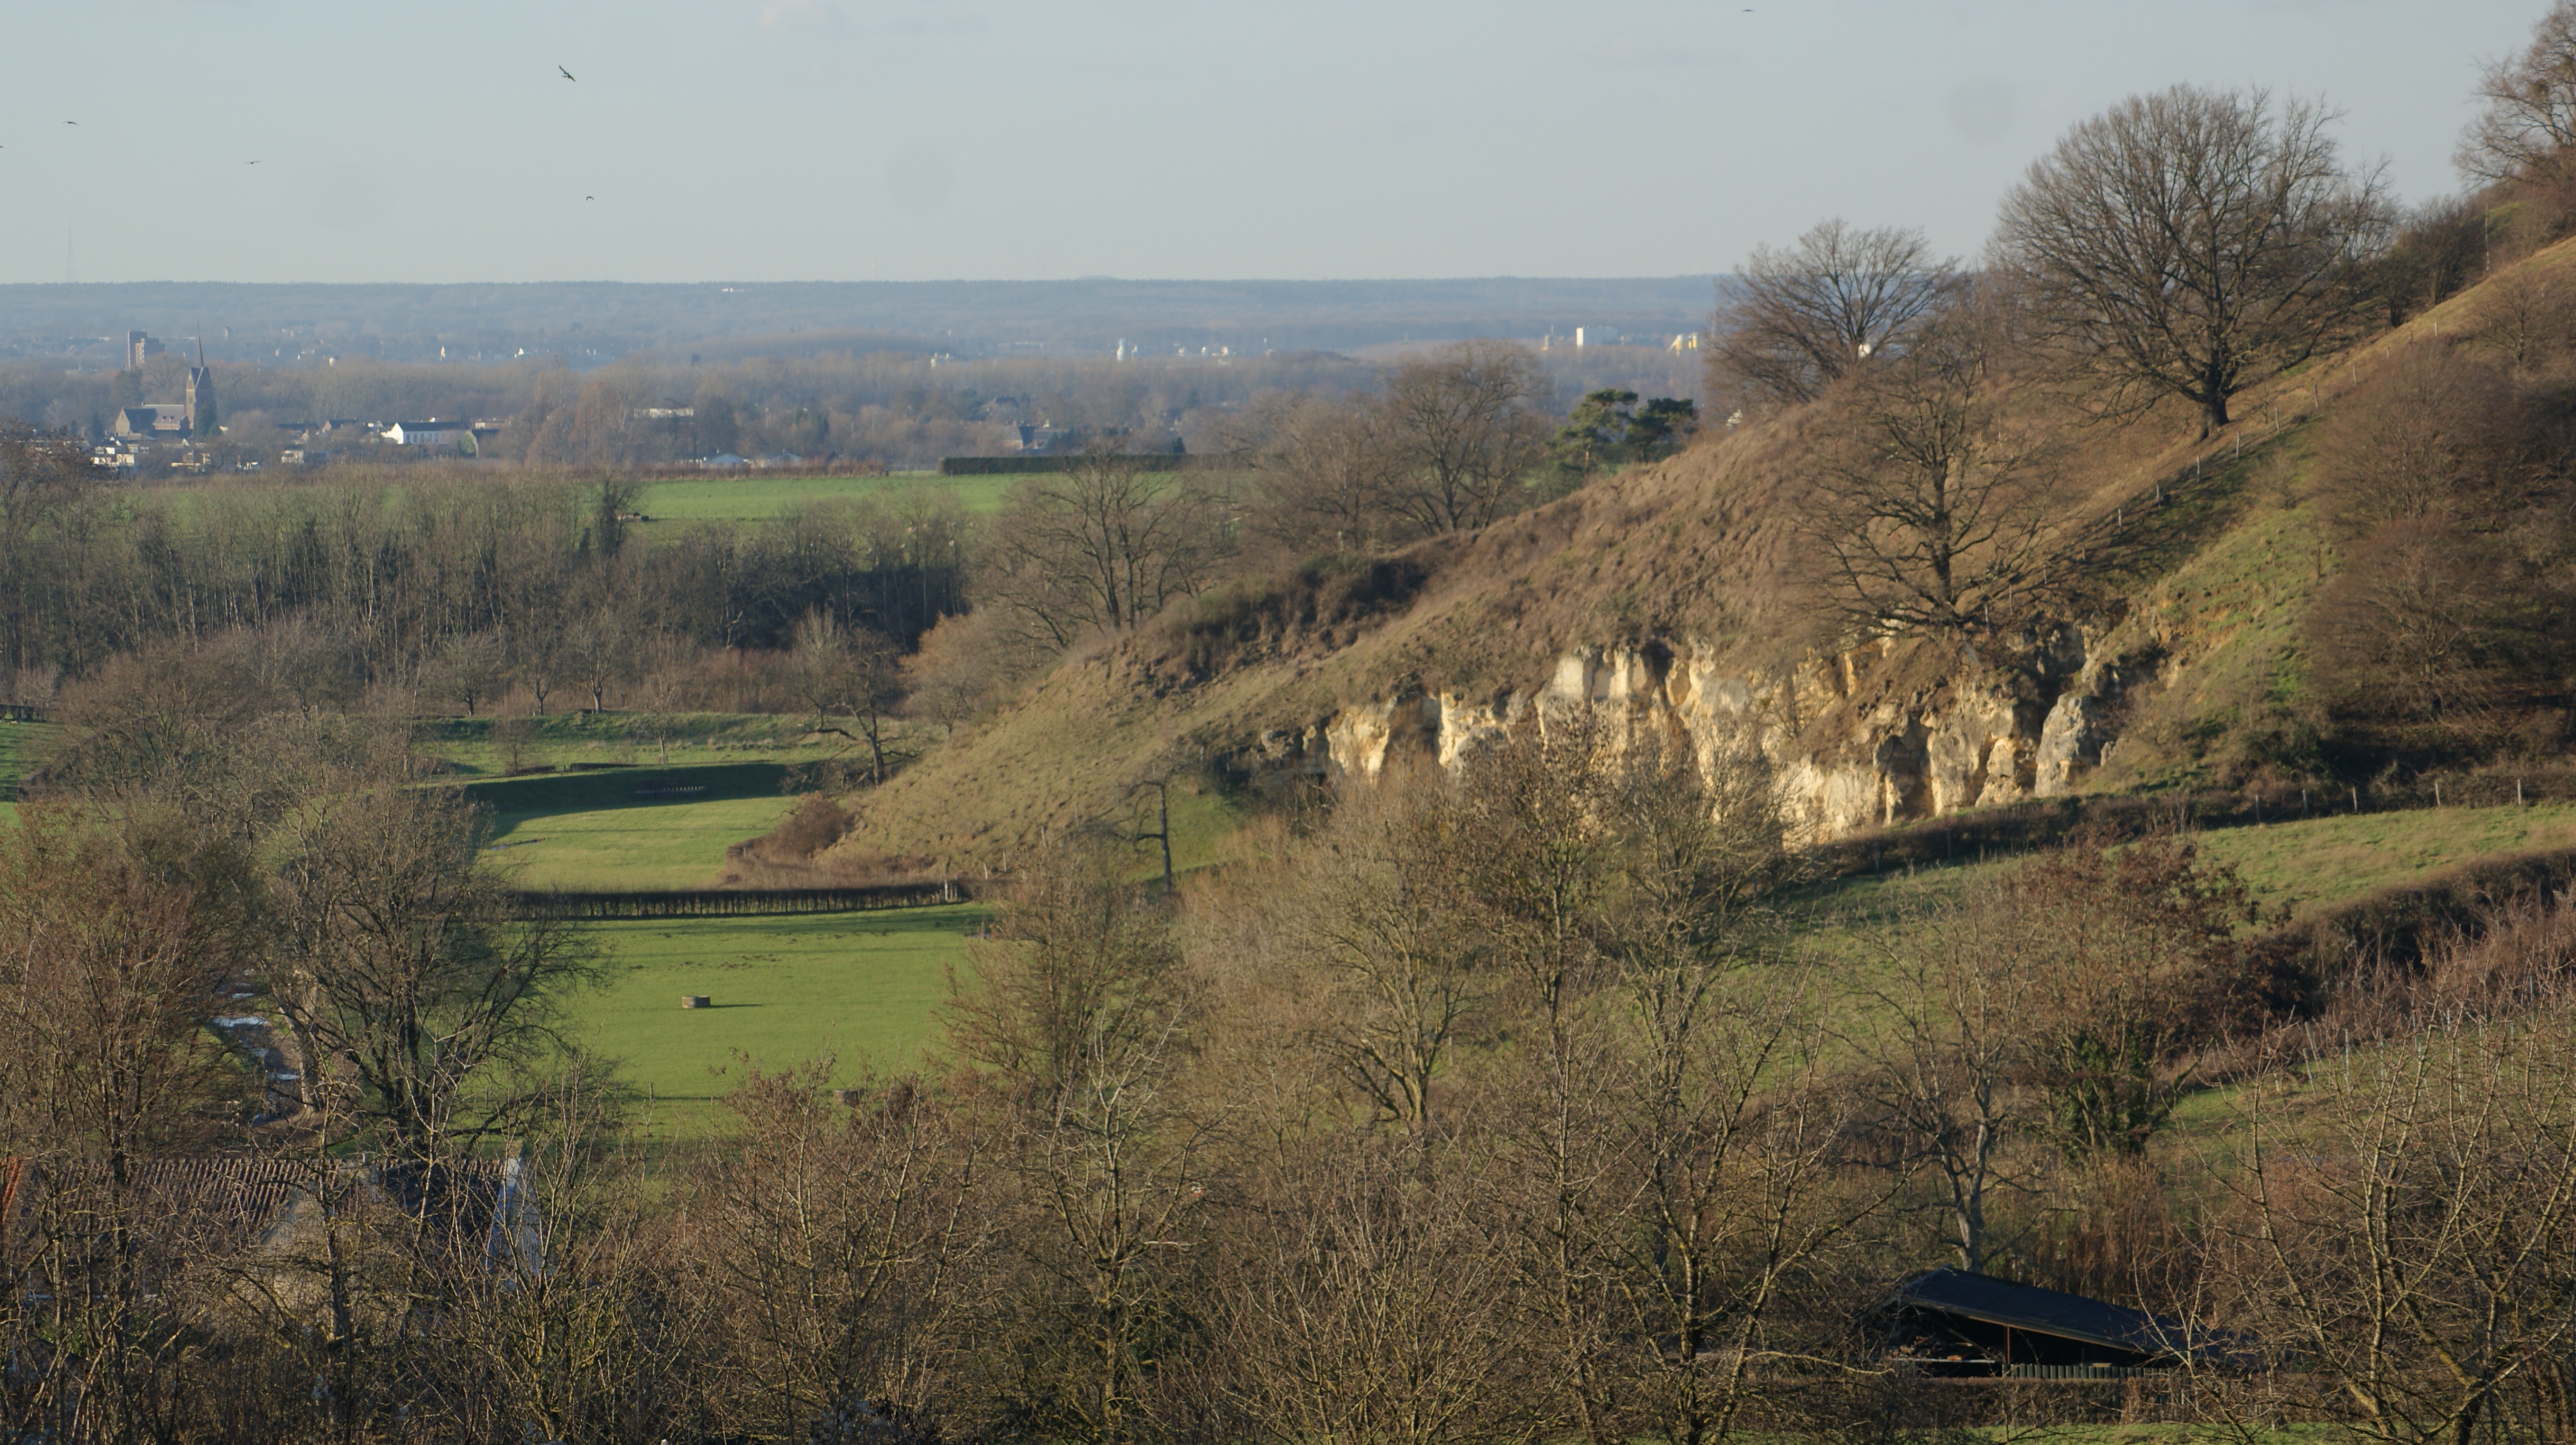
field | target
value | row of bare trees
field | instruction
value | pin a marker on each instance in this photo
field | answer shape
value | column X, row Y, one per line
column 452, row 596
column 1502, row 1104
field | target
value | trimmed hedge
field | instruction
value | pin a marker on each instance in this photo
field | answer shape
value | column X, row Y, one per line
column 743, row 902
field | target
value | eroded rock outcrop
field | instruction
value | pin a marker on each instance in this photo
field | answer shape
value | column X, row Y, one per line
column 1854, row 746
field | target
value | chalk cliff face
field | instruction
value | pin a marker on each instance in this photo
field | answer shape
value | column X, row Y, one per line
column 1854, row 747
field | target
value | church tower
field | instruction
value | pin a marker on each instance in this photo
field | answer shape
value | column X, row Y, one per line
column 201, row 396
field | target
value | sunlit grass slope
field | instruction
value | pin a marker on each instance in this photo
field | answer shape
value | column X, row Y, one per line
column 2296, row 866
column 2291, row 867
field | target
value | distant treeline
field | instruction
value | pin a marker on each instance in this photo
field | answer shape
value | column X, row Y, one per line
column 462, row 587
column 1022, row 466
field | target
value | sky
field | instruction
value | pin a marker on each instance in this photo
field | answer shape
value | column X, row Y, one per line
column 852, row 140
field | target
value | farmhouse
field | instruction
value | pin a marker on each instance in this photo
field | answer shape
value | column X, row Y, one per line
column 432, row 433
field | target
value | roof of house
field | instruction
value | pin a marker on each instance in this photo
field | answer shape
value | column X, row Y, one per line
column 234, row 1201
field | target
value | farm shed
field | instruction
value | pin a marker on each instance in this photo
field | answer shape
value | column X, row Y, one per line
column 1952, row 1323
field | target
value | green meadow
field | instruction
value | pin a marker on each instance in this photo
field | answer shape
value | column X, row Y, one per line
column 591, row 831
column 714, row 497
column 2289, row 867
column 473, row 747
column 751, row 496
column 786, row 990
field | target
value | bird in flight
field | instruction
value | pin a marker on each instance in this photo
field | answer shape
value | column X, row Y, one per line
column 590, row 198
column 568, row 75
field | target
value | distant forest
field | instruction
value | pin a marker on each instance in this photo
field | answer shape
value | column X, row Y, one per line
column 593, row 323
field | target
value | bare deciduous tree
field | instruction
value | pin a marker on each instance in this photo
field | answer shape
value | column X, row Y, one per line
column 1374, row 1307
column 40, row 476
column 2530, row 116
column 469, row 670
column 2136, row 976
column 599, row 651
column 2433, row 433
column 2191, row 242
column 1398, row 966
column 840, row 1247
column 850, row 672
column 2428, row 623
column 416, row 983
column 1948, row 1067
column 1462, row 430
column 2408, row 1230
column 1327, row 472
column 109, row 972
column 1932, row 512
column 1104, row 545
column 1799, row 319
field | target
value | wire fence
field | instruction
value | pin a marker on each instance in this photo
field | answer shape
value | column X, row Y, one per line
column 743, row 902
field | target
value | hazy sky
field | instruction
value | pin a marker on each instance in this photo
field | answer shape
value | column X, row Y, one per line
column 920, row 139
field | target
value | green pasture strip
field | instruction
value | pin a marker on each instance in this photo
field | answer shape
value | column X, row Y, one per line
column 2290, row 866
column 753, row 496
column 573, row 736
column 590, row 832
column 785, row 990
column 2295, row 866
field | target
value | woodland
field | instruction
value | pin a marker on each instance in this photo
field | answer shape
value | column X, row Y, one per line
column 1572, row 1078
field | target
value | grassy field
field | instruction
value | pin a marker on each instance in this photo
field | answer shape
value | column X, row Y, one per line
column 466, row 744
column 2290, row 867
column 2297, row 865
column 751, row 496
column 743, row 497
column 589, row 831
column 786, row 989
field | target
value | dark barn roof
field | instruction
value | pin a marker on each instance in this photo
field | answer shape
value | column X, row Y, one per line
column 2041, row 1311
column 1950, row 1322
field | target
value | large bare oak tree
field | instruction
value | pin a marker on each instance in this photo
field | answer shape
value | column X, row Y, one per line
column 2189, row 243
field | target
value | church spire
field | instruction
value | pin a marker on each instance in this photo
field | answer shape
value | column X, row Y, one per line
column 201, row 396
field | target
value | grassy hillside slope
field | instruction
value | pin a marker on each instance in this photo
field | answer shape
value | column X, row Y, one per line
column 2208, row 555
column 2209, row 550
